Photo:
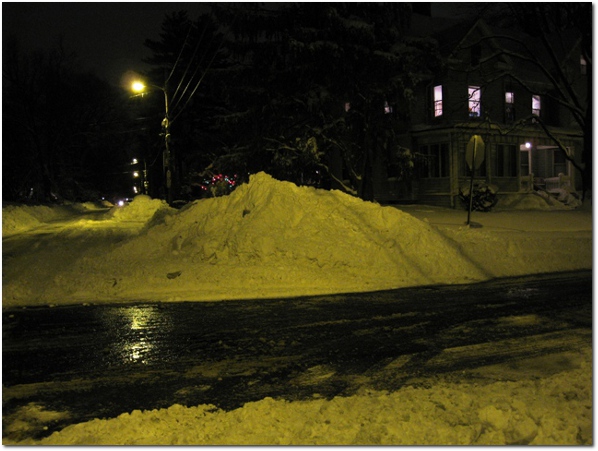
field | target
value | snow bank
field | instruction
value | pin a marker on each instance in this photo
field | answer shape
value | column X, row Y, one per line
column 555, row 410
column 275, row 239
column 270, row 239
column 142, row 209
column 539, row 200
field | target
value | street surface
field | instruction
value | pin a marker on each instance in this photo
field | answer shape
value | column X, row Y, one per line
column 98, row 361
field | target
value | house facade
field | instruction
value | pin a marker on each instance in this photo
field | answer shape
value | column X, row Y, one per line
column 486, row 90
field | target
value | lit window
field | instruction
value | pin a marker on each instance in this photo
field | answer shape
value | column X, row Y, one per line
column 509, row 106
column 583, row 65
column 536, row 105
column 387, row 108
column 437, row 100
column 474, row 101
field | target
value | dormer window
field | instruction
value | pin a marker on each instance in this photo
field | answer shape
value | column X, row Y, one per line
column 536, row 105
column 474, row 101
column 438, row 101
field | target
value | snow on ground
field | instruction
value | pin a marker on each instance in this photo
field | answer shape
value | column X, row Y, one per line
column 555, row 410
column 274, row 239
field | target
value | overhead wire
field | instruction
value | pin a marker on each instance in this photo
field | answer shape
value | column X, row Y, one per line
column 203, row 75
column 179, row 56
column 188, row 64
column 197, row 68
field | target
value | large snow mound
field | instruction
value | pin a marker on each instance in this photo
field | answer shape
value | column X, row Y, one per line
column 272, row 239
column 280, row 236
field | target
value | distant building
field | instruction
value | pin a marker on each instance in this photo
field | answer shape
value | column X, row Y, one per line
column 484, row 91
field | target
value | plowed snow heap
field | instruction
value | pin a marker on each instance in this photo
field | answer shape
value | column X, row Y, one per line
column 272, row 238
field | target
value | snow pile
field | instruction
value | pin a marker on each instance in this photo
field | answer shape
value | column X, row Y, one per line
column 538, row 200
column 22, row 218
column 555, row 410
column 16, row 219
column 143, row 208
column 270, row 234
column 275, row 239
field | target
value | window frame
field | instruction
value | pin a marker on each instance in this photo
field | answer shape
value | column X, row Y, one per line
column 474, row 101
column 509, row 106
column 437, row 102
column 536, row 105
column 505, row 160
column 437, row 158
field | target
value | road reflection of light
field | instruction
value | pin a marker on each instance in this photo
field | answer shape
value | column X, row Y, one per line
column 134, row 328
column 136, row 351
column 138, row 348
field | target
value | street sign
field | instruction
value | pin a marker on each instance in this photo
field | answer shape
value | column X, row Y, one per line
column 474, row 154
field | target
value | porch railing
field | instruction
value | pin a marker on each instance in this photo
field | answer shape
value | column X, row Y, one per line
column 562, row 181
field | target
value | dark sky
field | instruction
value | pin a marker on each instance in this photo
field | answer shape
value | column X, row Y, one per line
column 107, row 37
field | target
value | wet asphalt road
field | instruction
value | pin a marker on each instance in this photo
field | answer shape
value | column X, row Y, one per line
column 98, row 361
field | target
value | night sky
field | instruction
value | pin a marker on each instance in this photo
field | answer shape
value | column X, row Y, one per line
column 107, row 37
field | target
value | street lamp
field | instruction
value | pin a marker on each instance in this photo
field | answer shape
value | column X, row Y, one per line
column 140, row 88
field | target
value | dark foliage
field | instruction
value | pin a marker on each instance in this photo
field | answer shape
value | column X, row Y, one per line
column 484, row 197
column 63, row 131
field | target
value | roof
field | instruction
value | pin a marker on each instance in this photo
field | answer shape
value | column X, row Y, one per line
column 520, row 51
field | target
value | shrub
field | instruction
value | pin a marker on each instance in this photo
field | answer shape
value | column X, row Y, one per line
column 484, row 196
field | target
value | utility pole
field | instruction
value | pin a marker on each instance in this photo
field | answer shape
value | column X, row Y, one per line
column 167, row 157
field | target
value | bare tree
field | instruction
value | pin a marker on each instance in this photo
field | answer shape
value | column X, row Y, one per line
column 553, row 38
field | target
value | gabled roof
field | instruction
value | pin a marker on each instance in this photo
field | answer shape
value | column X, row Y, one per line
column 505, row 44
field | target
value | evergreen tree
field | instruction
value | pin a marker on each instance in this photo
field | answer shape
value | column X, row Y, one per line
column 186, row 62
column 329, row 71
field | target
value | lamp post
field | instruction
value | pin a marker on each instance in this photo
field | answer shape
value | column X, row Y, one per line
column 140, row 88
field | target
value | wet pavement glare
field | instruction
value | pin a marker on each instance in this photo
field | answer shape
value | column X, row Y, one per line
column 103, row 360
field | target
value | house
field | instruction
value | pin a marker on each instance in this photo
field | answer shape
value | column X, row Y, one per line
column 485, row 90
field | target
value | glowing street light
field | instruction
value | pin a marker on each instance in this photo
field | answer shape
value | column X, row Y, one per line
column 139, row 87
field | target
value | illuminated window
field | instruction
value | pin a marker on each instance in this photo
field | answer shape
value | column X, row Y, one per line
column 583, row 65
column 387, row 108
column 437, row 100
column 509, row 106
column 536, row 105
column 474, row 101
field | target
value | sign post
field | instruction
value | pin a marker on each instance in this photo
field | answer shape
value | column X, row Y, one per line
column 474, row 155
